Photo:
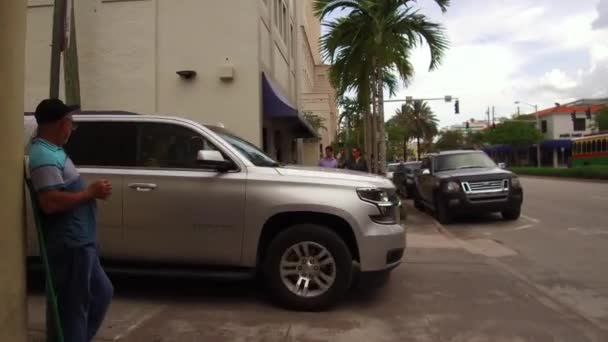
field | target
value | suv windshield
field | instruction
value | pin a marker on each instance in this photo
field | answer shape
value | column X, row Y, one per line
column 247, row 149
column 459, row 161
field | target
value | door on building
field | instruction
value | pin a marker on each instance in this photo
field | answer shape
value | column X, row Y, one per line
column 175, row 210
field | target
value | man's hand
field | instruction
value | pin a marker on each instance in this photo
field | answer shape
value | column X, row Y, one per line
column 101, row 189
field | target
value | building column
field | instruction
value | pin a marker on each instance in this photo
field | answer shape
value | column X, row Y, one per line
column 555, row 158
column 13, row 319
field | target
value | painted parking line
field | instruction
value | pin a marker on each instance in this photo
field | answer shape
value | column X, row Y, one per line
column 530, row 218
column 527, row 226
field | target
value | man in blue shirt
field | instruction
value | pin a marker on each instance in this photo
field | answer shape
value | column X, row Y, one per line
column 69, row 223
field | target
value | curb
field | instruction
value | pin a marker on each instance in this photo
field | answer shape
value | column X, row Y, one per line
column 540, row 293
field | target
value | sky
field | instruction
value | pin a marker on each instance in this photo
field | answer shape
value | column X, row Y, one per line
column 534, row 51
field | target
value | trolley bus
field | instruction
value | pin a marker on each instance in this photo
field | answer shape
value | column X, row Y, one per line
column 590, row 150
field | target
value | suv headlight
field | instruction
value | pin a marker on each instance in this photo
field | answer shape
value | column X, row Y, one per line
column 515, row 182
column 451, row 187
column 382, row 200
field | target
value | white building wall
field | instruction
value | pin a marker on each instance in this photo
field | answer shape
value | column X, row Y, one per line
column 130, row 51
column 559, row 124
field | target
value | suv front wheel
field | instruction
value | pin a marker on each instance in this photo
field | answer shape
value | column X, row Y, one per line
column 511, row 214
column 308, row 267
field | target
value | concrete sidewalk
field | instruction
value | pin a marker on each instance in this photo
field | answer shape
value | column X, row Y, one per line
column 442, row 292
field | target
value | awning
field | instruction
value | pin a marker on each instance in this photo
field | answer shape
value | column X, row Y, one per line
column 277, row 107
column 566, row 144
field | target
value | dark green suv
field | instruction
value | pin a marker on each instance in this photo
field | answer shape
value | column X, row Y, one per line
column 455, row 182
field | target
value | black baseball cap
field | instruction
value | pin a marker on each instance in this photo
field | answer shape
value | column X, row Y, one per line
column 52, row 110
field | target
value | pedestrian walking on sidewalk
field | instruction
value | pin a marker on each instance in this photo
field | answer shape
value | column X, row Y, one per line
column 329, row 160
column 69, row 223
column 357, row 163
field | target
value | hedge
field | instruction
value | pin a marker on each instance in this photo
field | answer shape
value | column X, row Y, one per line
column 587, row 172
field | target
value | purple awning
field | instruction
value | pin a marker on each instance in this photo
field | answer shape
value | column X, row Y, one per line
column 277, row 107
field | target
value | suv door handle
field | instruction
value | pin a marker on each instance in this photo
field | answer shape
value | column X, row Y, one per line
column 142, row 187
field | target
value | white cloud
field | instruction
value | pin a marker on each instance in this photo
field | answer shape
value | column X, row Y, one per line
column 602, row 18
column 540, row 51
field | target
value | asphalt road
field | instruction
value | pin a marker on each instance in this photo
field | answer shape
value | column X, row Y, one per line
column 541, row 278
column 560, row 243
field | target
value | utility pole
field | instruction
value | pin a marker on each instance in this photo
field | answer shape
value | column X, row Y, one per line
column 488, row 115
column 56, row 46
column 70, row 65
column 493, row 116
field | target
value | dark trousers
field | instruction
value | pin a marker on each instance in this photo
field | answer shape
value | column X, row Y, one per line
column 83, row 292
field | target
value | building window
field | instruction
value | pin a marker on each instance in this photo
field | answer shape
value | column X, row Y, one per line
column 604, row 145
column 580, row 124
column 543, row 126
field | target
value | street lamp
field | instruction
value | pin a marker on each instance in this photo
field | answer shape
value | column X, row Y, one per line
column 537, row 127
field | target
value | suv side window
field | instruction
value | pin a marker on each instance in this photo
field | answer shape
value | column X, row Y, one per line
column 162, row 145
column 102, row 144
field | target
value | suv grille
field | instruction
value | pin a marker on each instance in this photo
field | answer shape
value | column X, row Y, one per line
column 485, row 186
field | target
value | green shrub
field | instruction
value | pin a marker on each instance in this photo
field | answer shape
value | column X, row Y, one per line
column 587, row 172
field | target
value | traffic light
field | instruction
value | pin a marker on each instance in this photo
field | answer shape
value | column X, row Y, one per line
column 588, row 113
column 573, row 116
column 457, row 107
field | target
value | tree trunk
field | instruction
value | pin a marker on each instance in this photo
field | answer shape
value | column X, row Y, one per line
column 374, row 120
column 381, row 127
column 367, row 136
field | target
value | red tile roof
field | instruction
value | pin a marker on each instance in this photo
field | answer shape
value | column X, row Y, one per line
column 569, row 109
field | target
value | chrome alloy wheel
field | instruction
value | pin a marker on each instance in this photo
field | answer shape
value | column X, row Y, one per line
column 308, row 269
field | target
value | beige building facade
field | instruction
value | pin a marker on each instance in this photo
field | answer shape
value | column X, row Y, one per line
column 245, row 64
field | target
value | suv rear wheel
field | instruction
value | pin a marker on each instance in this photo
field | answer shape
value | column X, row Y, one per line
column 308, row 267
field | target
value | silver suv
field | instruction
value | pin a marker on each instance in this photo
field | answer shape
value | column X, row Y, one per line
column 188, row 194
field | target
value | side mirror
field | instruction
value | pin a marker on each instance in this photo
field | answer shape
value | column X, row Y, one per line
column 502, row 165
column 213, row 160
column 425, row 172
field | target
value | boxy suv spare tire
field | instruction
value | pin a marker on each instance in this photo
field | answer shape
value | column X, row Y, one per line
column 308, row 267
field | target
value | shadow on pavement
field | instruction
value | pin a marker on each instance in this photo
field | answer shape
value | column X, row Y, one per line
column 163, row 289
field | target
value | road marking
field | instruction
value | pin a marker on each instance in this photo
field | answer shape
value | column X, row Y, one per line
column 588, row 231
column 523, row 227
column 139, row 323
column 529, row 218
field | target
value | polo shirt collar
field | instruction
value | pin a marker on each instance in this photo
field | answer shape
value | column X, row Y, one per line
column 47, row 144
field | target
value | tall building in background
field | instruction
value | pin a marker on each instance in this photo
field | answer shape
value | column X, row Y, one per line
column 251, row 65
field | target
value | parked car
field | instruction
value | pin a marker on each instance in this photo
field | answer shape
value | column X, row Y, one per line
column 390, row 170
column 189, row 195
column 455, row 182
column 405, row 178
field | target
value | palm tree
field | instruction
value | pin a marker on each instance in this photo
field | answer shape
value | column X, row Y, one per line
column 349, row 122
column 420, row 121
column 369, row 44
